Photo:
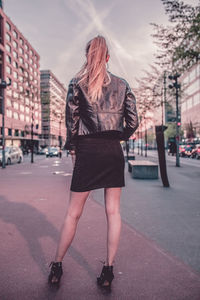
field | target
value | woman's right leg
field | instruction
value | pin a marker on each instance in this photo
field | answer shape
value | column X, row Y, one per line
column 76, row 205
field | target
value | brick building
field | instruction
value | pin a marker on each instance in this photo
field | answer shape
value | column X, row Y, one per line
column 20, row 63
column 53, row 99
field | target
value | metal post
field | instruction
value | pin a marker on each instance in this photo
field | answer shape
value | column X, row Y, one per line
column 177, row 128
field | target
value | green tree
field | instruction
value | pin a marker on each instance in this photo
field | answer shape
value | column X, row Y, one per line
column 181, row 40
column 170, row 132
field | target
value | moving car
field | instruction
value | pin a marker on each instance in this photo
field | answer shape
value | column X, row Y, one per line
column 52, row 151
column 12, row 155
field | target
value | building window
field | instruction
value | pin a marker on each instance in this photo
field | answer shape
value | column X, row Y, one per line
column 15, row 85
column 16, row 105
column 31, row 52
column 22, row 107
column 9, row 131
column 15, row 44
column 27, row 110
column 21, row 60
column 26, row 56
column 21, row 79
column 8, row 48
column 22, row 133
column 21, row 51
column 15, row 64
column 31, row 69
column 8, row 37
column 15, row 54
column 9, row 102
column 8, row 26
column 8, row 70
column 27, row 119
column 21, row 41
column 196, row 99
column 9, row 113
column 15, row 34
column 26, row 65
column 15, row 74
column 26, row 47
column 15, row 95
column 31, row 61
column 21, row 88
column 9, row 91
column 15, row 115
column 8, row 59
column 16, row 132
column 22, row 117
column 189, row 103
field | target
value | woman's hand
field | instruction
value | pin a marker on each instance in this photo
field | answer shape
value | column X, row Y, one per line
column 73, row 155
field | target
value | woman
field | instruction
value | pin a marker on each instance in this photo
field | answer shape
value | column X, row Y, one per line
column 100, row 111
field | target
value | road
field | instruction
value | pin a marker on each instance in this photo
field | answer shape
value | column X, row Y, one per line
column 158, row 257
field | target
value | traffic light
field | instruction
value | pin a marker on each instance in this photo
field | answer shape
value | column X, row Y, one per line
column 175, row 81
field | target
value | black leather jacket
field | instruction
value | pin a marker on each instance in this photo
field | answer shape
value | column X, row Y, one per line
column 114, row 111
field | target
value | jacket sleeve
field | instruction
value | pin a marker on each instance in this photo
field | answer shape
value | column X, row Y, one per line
column 72, row 115
column 130, row 114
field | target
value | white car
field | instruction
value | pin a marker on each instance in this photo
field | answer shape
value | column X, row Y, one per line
column 12, row 155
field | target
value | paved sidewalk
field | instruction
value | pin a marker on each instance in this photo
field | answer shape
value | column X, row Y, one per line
column 32, row 206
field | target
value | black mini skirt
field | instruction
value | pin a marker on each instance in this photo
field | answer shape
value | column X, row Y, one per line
column 99, row 164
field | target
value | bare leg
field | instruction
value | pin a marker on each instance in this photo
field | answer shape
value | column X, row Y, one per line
column 76, row 205
column 112, row 207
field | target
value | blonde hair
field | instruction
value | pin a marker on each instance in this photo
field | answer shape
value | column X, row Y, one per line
column 93, row 74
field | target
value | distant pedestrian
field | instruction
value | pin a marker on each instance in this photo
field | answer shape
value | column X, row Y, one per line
column 98, row 105
column 60, row 153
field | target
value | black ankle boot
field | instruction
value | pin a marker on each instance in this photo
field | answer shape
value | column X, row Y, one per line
column 106, row 277
column 55, row 273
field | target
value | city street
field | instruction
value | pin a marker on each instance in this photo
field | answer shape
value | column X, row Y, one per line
column 159, row 253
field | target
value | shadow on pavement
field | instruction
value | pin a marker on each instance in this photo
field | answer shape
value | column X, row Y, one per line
column 33, row 225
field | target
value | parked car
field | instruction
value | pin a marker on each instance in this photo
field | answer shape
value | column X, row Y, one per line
column 182, row 150
column 52, row 151
column 196, row 152
column 12, row 155
column 42, row 151
column 188, row 151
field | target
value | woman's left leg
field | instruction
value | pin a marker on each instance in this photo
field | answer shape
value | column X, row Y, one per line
column 112, row 207
column 75, row 209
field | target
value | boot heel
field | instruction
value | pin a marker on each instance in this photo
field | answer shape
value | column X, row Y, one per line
column 106, row 277
column 55, row 273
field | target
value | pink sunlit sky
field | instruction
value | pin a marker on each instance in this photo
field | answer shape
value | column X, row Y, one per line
column 59, row 31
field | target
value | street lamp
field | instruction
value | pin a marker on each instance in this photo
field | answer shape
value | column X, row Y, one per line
column 177, row 87
column 3, row 86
